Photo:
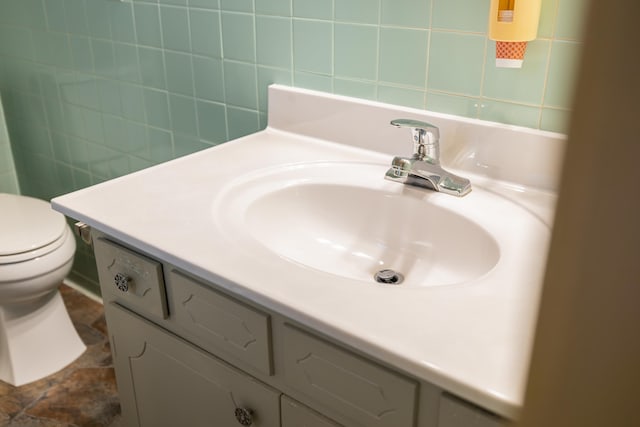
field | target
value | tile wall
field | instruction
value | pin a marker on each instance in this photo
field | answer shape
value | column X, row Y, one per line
column 8, row 176
column 94, row 89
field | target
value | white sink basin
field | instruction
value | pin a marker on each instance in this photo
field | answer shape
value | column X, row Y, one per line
column 344, row 219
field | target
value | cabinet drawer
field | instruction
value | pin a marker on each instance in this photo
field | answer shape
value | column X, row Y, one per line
column 457, row 413
column 219, row 323
column 362, row 391
column 165, row 381
column 295, row 414
column 133, row 280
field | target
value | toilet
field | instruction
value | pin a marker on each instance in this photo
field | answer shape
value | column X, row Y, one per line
column 37, row 246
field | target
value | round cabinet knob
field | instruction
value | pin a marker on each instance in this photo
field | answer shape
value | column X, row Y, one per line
column 122, row 282
column 244, row 416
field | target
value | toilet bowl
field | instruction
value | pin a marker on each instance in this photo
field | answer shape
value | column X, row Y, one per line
column 37, row 337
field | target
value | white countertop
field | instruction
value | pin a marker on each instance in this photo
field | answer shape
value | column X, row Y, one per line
column 473, row 340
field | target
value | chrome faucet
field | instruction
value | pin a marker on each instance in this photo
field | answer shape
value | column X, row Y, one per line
column 423, row 168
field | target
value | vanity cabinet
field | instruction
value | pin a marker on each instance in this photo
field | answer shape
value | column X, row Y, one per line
column 190, row 353
column 165, row 381
column 295, row 414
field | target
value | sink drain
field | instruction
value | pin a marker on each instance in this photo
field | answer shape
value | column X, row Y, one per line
column 388, row 277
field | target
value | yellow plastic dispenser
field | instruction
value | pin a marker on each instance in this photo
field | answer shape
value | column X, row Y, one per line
column 512, row 23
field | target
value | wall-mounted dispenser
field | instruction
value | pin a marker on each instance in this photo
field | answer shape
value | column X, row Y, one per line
column 512, row 23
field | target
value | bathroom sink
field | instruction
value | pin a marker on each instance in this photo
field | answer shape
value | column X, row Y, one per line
column 344, row 219
column 297, row 219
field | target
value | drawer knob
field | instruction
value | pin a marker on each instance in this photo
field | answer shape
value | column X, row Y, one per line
column 244, row 416
column 122, row 282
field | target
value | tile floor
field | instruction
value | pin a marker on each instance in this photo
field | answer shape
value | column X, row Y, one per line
column 82, row 394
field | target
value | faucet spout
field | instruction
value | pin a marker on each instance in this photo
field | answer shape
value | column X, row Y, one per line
column 423, row 168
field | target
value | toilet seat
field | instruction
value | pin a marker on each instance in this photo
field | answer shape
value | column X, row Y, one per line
column 29, row 229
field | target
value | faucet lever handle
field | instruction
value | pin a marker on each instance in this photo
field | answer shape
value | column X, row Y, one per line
column 425, row 138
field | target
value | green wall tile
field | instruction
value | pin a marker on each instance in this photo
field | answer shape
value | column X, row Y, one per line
column 6, row 157
column 19, row 42
column 407, row 47
column 513, row 114
column 81, row 179
column 212, row 121
column 406, row 13
column 273, row 41
column 312, row 47
column 319, row 9
column 52, row 48
column 132, row 97
column 97, row 13
column 238, row 34
column 524, row 84
column 76, row 17
column 179, row 73
column 237, row 5
column 79, row 156
column 82, row 89
column 356, row 51
column 359, row 89
column 242, row 122
column 56, row 16
column 187, row 144
column 555, row 120
column 160, row 145
column 33, row 13
column 60, row 148
column 136, row 163
column 571, row 17
column 152, row 69
column 136, row 139
column 548, row 14
column 208, row 78
column 175, row 28
column 183, row 114
column 156, row 104
column 313, row 81
column 115, row 135
column 453, row 104
column 205, row 32
column 109, row 95
column 34, row 139
column 81, row 53
column 361, row 11
column 104, row 60
column 147, row 20
column 240, row 84
column 9, row 183
column 456, row 62
column 273, row 7
column 174, row 2
column 121, row 21
column 127, row 66
column 463, row 15
column 563, row 64
column 206, row 4
column 401, row 96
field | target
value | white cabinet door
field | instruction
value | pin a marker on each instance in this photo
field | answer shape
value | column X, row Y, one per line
column 165, row 381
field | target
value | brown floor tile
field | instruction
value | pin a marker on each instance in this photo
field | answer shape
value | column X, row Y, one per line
column 87, row 397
